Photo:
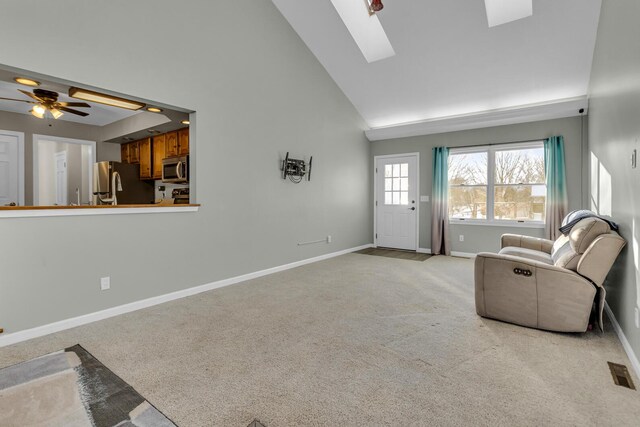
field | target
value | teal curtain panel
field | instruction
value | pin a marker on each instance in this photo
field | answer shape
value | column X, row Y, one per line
column 556, row 179
column 439, row 207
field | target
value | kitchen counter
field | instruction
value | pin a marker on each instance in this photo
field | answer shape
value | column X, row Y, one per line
column 43, row 211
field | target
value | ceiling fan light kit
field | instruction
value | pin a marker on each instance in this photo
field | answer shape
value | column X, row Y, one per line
column 56, row 113
column 46, row 100
column 103, row 98
column 38, row 111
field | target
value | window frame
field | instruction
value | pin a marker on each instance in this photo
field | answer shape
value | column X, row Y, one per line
column 491, row 185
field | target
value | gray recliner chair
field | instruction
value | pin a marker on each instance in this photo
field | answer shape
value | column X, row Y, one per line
column 545, row 284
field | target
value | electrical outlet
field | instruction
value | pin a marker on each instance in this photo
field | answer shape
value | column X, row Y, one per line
column 328, row 239
column 424, row 198
column 637, row 313
column 462, row 237
column 105, row 283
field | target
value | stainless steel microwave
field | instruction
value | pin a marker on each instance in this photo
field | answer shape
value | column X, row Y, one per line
column 175, row 169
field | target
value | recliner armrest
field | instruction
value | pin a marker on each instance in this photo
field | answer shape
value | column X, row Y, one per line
column 528, row 242
column 527, row 262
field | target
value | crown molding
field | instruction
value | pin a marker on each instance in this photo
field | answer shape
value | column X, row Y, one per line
column 500, row 117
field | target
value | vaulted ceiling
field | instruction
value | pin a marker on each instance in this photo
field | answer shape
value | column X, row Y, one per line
column 448, row 62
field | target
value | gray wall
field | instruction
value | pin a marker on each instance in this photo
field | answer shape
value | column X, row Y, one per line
column 258, row 93
column 487, row 238
column 614, row 129
column 29, row 125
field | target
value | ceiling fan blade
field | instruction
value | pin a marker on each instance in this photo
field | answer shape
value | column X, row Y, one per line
column 19, row 100
column 74, row 104
column 69, row 110
column 31, row 95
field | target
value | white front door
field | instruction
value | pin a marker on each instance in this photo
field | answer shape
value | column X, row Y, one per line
column 61, row 178
column 396, row 201
column 11, row 168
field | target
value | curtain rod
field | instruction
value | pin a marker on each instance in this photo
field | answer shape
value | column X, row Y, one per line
column 500, row 143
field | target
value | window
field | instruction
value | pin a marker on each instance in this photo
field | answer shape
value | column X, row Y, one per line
column 396, row 184
column 498, row 184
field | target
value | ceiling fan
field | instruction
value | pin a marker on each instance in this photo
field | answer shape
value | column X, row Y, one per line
column 46, row 100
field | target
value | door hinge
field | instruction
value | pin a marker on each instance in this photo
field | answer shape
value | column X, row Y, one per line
column 376, row 203
column 376, row 235
column 376, row 170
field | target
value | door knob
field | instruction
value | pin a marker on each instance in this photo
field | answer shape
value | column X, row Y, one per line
column 413, row 208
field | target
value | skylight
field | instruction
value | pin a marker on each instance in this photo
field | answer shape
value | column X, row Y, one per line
column 366, row 30
column 502, row 11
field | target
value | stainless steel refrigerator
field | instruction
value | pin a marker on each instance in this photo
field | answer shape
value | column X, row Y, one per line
column 124, row 178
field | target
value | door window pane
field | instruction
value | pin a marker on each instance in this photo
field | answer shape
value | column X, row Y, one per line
column 396, row 184
column 388, row 170
column 396, row 170
column 388, row 200
column 388, row 184
column 404, row 198
column 404, row 169
column 404, row 184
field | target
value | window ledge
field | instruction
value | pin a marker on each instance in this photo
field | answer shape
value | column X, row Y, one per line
column 514, row 224
column 48, row 211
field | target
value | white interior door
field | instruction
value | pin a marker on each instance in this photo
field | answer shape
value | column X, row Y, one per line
column 397, row 202
column 61, row 178
column 11, row 168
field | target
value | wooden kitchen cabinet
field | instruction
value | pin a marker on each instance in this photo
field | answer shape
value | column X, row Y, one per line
column 159, row 149
column 171, row 144
column 134, row 152
column 144, row 151
column 124, row 153
column 183, row 141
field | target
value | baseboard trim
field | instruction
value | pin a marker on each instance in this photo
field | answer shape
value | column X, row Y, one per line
column 635, row 364
column 463, row 254
column 424, row 250
column 39, row 331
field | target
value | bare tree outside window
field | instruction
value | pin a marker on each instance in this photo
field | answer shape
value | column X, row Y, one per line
column 498, row 184
column 468, row 185
column 520, row 190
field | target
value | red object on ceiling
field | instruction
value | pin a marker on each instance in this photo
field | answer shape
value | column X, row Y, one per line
column 376, row 5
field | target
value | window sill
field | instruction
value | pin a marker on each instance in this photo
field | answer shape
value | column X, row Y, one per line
column 512, row 224
column 48, row 211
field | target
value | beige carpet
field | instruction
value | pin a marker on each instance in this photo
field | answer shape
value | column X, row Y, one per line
column 353, row 341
